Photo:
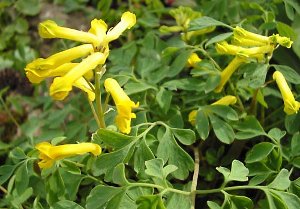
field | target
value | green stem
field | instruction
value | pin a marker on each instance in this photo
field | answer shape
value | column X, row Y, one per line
column 94, row 113
column 9, row 113
column 99, row 109
column 195, row 176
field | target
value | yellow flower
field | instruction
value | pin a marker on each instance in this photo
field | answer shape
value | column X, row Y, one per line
column 192, row 117
column 227, row 100
column 291, row 106
column 41, row 68
column 128, row 20
column 61, row 86
column 228, row 71
column 255, row 52
column 49, row 153
column 49, row 29
column 193, row 60
column 247, row 38
column 239, row 32
column 123, row 103
column 98, row 28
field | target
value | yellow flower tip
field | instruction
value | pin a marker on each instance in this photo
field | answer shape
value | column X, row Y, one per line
column 33, row 77
column 60, row 88
column 222, row 47
column 193, row 60
column 283, row 41
column 192, row 117
column 129, row 18
column 123, row 124
column 46, row 29
column 227, row 100
column 98, row 28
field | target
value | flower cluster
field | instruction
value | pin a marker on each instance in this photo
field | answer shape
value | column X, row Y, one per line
column 94, row 52
column 247, row 46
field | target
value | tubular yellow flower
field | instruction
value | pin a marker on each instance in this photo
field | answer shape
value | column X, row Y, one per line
column 227, row 100
column 128, row 20
column 49, row 153
column 239, row 32
column 123, row 103
column 228, row 71
column 37, row 75
column 42, row 67
column 291, row 106
column 61, row 86
column 49, row 29
column 255, row 52
column 193, row 60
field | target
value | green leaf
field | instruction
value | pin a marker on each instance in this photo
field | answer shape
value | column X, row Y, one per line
column 295, row 144
column 292, row 124
column 237, row 202
column 55, row 187
column 259, row 152
column 185, row 136
column 238, row 172
column 255, row 74
column 5, row 172
column 289, row 73
column 150, row 202
column 218, row 38
column 100, row 195
column 249, row 128
column 291, row 201
column 175, row 200
column 223, row 111
column 282, row 181
column 111, row 138
column 155, row 168
column 286, row 30
column 276, row 133
column 21, row 25
column 211, row 83
column 21, row 198
column 136, row 87
column 106, row 162
column 171, row 152
column 188, row 84
column 213, row 205
column 119, row 175
column 164, row 98
column 141, row 155
column 223, row 130
column 66, row 204
column 202, row 124
column 22, row 178
column 205, row 22
column 179, row 63
column 28, row 7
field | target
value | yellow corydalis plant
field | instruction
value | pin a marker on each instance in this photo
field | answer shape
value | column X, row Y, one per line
column 50, row 153
column 226, row 100
column 291, row 106
column 123, row 104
